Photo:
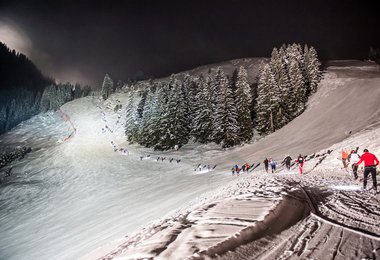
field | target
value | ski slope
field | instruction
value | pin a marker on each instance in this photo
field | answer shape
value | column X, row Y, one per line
column 81, row 198
column 67, row 198
column 320, row 215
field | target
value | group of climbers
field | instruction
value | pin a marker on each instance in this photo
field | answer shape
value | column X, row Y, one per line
column 287, row 161
column 244, row 168
column 353, row 158
column 370, row 162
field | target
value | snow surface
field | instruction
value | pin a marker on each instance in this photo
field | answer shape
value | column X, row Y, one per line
column 64, row 200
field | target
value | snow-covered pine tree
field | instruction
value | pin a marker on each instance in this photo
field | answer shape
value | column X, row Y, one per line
column 213, row 89
column 202, row 118
column 313, row 73
column 298, row 102
column 243, row 100
column 280, row 74
column 264, row 119
column 131, row 123
column 175, row 118
column 225, row 125
column 107, row 87
column 180, row 125
column 187, row 89
column 145, row 137
column 155, row 126
column 141, row 105
column 192, row 86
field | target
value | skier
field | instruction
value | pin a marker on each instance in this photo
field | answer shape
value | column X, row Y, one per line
column 233, row 171
column 287, row 160
column 272, row 165
column 300, row 162
column 243, row 167
column 344, row 158
column 370, row 163
column 354, row 158
column 266, row 164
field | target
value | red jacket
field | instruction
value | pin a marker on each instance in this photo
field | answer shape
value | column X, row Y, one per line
column 369, row 159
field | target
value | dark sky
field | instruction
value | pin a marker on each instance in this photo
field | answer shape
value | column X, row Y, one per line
column 82, row 40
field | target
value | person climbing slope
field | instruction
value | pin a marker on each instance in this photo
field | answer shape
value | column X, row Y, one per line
column 287, row 160
column 247, row 167
column 353, row 158
column 266, row 164
column 300, row 161
column 273, row 164
column 370, row 163
column 344, row 158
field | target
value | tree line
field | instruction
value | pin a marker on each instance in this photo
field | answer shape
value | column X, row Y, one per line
column 211, row 108
column 222, row 108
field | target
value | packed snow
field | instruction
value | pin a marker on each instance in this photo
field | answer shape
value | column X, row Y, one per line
column 77, row 195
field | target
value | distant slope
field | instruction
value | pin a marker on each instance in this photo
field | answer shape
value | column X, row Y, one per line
column 347, row 100
column 252, row 65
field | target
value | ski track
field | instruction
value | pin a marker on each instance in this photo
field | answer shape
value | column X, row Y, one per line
column 313, row 237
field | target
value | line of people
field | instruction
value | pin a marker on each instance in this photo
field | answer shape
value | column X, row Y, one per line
column 244, row 168
column 160, row 158
column 287, row 161
column 204, row 167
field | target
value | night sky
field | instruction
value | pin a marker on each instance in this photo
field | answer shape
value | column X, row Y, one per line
column 80, row 41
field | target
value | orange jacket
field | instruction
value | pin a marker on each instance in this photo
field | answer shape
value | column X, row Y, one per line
column 344, row 154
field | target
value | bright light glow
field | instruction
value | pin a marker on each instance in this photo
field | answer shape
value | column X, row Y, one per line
column 14, row 37
column 346, row 187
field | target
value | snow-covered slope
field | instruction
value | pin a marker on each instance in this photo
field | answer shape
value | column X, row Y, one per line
column 347, row 101
column 253, row 217
column 66, row 199
column 252, row 65
column 320, row 215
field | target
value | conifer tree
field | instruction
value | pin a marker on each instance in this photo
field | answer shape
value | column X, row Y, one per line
column 313, row 73
column 298, row 102
column 264, row 123
column 175, row 118
column 131, row 123
column 281, row 91
column 141, row 105
column 225, row 125
column 202, row 123
column 188, row 90
column 243, row 100
column 107, row 87
column 147, row 122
